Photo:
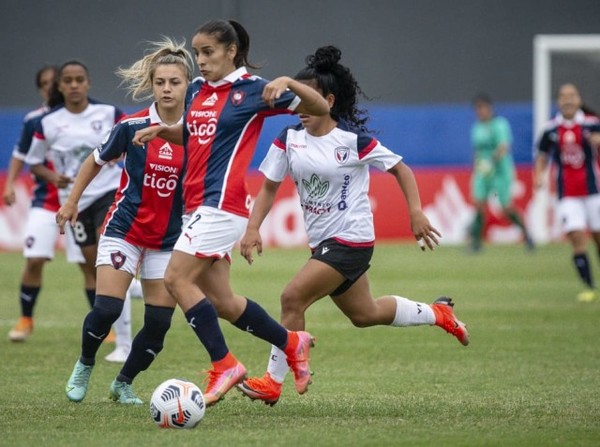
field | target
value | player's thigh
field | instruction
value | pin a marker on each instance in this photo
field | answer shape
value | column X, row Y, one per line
column 503, row 188
column 116, row 263
column 41, row 234
column 312, row 282
column 156, row 294
column 152, row 269
column 592, row 206
column 572, row 214
column 480, row 188
column 357, row 300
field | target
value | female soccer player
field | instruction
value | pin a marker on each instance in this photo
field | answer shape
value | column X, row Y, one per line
column 493, row 170
column 65, row 136
column 335, row 152
column 41, row 233
column 570, row 140
column 143, row 222
column 224, row 114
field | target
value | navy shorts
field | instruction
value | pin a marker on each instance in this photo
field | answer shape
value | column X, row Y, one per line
column 91, row 219
column 351, row 262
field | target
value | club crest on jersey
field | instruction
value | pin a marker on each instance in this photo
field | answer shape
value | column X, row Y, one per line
column 165, row 152
column 237, row 97
column 96, row 126
column 211, row 100
column 118, row 259
column 342, row 154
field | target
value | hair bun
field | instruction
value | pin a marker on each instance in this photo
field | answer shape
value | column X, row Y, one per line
column 325, row 58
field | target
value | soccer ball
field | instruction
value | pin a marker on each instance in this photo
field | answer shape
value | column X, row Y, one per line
column 176, row 403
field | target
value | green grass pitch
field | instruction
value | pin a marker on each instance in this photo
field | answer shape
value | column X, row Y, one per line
column 531, row 375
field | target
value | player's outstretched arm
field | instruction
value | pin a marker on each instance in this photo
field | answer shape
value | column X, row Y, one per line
column 425, row 234
column 173, row 134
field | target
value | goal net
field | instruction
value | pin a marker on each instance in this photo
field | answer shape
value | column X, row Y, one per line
column 559, row 59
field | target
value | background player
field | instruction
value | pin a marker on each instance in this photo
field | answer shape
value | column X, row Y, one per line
column 143, row 222
column 40, row 230
column 493, row 169
column 570, row 140
column 65, row 136
column 224, row 114
column 328, row 158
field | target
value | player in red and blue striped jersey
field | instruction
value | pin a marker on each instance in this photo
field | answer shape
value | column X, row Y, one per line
column 224, row 113
column 143, row 222
column 568, row 140
column 41, row 233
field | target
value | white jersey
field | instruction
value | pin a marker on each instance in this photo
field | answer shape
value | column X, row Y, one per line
column 66, row 139
column 331, row 174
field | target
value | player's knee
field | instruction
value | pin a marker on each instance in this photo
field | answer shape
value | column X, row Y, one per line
column 292, row 303
column 360, row 320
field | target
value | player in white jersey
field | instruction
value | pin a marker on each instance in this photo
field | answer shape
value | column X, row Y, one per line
column 65, row 136
column 41, row 233
column 328, row 159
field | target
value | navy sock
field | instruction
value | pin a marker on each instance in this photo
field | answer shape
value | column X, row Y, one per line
column 28, row 297
column 148, row 342
column 96, row 326
column 259, row 323
column 583, row 268
column 91, row 296
column 203, row 320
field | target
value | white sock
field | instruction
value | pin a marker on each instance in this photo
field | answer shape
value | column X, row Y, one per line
column 278, row 366
column 411, row 313
column 123, row 326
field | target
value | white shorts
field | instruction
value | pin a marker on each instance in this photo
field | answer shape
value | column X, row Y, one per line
column 210, row 233
column 41, row 236
column 128, row 257
column 580, row 213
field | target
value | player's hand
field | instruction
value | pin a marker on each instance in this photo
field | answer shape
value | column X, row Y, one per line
column 142, row 136
column 250, row 240
column 426, row 235
column 61, row 181
column 67, row 213
column 274, row 89
column 594, row 139
column 9, row 195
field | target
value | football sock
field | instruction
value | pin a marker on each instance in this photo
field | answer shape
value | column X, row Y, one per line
column 148, row 342
column 277, row 366
column 203, row 320
column 583, row 268
column 96, row 326
column 91, row 296
column 123, row 325
column 28, row 297
column 257, row 321
column 411, row 313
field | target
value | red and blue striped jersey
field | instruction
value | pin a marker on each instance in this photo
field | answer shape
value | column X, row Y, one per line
column 566, row 141
column 222, row 124
column 45, row 195
column 148, row 204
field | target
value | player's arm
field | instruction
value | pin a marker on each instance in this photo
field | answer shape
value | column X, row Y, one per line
column 262, row 206
column 420, row 226
column 68, row 211
column 14, row 168
column 173, row 134
column 311, row 101
column 539, row 168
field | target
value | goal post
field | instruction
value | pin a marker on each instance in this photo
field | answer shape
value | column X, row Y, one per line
column 545, row 46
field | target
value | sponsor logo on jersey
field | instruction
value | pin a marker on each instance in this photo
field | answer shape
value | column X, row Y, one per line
column 164, row 186
column 211, row 100
column 315, row 188
column 342, row 205
column 165, row 152
column 237, row 97
column 164, row 168
column 204, row 131
column 203, row 113
column 135, row 122
column 342, row 154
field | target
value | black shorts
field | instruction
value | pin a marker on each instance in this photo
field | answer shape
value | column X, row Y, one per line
column 91, row 219
column 351, row 262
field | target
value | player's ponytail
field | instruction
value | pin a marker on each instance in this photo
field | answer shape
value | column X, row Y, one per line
column 331, row 77
column 138, row 78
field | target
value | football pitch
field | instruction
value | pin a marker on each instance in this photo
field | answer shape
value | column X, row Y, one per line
column 531, row 375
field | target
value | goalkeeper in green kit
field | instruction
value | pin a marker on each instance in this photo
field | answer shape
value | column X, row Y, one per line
column 493, row 169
